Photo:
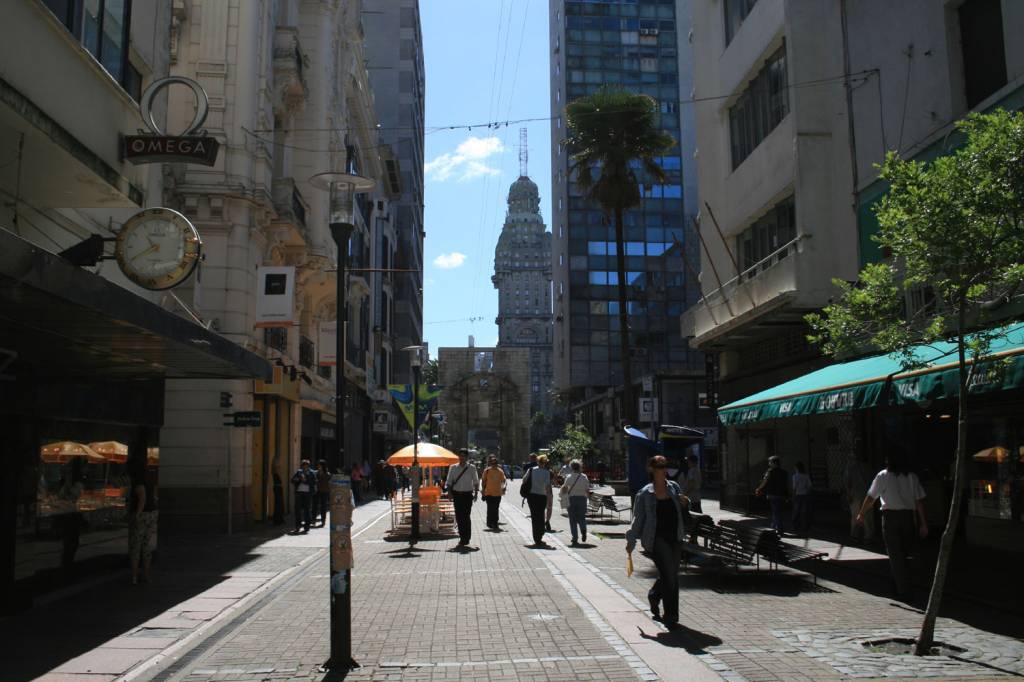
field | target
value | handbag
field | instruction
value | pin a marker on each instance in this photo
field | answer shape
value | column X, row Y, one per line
column 524, row 487
column 563, row 495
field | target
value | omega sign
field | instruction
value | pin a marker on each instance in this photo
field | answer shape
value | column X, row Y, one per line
column 192, row 146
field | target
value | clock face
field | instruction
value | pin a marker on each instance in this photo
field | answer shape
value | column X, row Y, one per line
column 158, row 248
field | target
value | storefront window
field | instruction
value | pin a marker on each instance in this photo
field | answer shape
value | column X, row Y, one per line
column 994, row 469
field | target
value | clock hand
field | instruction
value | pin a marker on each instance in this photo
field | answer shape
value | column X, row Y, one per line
column 155, row 247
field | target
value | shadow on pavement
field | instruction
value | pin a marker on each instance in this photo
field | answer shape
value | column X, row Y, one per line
column 693, row 641
column 61, row 627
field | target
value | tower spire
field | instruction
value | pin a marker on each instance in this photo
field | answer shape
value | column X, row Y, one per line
column 523, row 154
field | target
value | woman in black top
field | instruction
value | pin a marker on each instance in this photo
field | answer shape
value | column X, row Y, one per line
column 658, row 525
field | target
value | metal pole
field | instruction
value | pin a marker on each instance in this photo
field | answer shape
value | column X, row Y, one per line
column 414, row 532
column 341, row 604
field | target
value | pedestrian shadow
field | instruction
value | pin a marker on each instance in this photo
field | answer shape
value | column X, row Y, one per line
column 544, row 547
column 583, row 545
column 464, row 549
column 407, row 552
column 693, row 641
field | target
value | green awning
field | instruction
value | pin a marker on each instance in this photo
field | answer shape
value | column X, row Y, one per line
column 881, row 381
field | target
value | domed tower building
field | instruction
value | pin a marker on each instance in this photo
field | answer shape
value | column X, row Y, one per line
column 522, row 276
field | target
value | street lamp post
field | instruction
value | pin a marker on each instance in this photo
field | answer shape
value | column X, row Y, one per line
column 416, row 362
column 341, row 188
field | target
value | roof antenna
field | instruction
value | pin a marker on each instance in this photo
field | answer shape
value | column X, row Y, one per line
column 523, row 154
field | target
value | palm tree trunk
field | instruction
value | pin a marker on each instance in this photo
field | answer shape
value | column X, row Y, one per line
column 927, row 636
column 628, row 407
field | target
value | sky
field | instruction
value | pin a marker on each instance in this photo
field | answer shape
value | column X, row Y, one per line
column 486, row 61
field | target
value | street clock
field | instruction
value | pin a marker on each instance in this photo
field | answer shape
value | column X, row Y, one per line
column 158, row 248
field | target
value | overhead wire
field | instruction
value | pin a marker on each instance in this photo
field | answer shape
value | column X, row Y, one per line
column 493, row 109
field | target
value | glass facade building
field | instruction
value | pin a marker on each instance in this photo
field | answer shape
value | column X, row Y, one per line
column 633, row 44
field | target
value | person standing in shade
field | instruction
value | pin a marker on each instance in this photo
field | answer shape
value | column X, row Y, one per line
column 693, row 483
column 357, row 484
column 463, row 484
column 539, row 498
column 142, row 516
column 577, row 487
column 902, row 499
column 658, row 525
column 801, row 501
column 493, row 484
column 855, row 485
column 323, row 490
column 774, row 486
column 304, row 480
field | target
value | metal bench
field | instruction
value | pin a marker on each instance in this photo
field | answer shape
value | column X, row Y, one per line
column 775, row 550
column 718, row 546
column 611, row 505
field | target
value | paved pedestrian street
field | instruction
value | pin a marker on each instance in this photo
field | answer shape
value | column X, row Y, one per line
column 499, row 611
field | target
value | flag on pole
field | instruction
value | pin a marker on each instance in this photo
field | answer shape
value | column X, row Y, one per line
column 402, row 393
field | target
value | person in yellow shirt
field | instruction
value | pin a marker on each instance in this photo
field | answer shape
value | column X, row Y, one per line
column 494, row 488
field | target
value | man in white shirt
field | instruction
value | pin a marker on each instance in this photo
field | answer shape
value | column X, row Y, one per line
column 902, row 498
column 462, row 483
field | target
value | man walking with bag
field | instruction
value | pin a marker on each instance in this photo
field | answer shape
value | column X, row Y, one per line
column 462, row 484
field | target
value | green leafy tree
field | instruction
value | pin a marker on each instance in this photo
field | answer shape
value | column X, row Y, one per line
column 614, row 133
column 954, row 226
column 574, row 443
column 431, row 372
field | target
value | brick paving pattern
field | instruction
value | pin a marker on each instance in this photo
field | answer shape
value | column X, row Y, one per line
column 738, row 621
column 433, row 614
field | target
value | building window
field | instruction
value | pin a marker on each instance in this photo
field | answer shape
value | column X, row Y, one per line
column 981, row 42
column 760, row 108
column 102, row 26
column 736, row 12
column 276, row 337
column 770, row 233
column 307, row 352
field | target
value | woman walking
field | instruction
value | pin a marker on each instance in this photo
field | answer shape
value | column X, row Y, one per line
column 576, row 487
column 658, row 524
column 493, row 484
column 538, row 499
column 902, row 499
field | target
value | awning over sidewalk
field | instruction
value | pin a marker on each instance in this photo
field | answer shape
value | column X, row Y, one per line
column 881, row 381
column 65, row 321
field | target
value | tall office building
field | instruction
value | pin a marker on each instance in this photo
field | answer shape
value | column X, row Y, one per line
column 634, row 45
column 522, row 276
column 394, row 51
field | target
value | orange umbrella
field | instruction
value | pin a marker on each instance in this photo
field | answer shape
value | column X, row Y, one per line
column 111, row 450
column 429, row 455
column 64, row 451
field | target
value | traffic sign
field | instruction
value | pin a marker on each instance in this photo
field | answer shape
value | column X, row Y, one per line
column 244, row 419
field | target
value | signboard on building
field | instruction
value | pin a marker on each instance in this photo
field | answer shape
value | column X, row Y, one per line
column 326, row 344
column 381, row 421
column 275, row 296
column 648, row 384
column 711, row 380
column 648, row 411
column 192, row 146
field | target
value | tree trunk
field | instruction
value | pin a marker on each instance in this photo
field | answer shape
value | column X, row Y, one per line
column 628, row 407
column 927, row 636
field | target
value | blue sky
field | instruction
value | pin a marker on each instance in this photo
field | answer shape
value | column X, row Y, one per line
column 477, row 73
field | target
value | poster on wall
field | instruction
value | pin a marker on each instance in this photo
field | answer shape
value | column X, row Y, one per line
column 326, row 344
column 341, row 522
column 275, row 296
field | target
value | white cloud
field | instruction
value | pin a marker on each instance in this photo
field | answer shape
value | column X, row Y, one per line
column 467, row 161
column 449, row 261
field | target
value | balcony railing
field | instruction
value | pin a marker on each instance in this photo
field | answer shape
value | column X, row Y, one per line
column 791, row 247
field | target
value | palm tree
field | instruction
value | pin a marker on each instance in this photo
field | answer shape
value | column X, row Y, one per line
column 613, row 132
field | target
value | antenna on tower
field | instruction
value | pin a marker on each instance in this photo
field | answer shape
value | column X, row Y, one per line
column 523, row 154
